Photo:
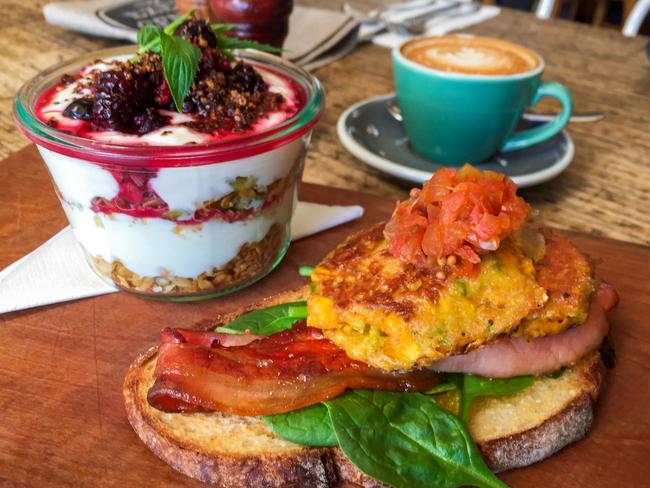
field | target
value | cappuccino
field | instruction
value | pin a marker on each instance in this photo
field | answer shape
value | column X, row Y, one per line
column 471, row 55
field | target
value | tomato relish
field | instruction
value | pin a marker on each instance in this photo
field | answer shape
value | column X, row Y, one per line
column 456, row 216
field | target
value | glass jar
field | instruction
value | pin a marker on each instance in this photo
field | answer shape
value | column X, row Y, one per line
column 180, row 222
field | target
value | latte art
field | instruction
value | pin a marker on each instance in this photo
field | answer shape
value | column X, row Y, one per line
column 471, row 55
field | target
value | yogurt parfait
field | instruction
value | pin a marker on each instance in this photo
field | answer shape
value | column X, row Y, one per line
column 177, row 166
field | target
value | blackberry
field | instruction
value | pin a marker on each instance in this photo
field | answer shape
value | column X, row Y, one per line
column 212, row 62
column 80, row 109
column 197, row 32
column 115, row 100
column 123, row 94
column 163, row 96
column 149, row 121
column 245, row 79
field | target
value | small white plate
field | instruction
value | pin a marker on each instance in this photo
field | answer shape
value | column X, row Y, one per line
column 369, row 132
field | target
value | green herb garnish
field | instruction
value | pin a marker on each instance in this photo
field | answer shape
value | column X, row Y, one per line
column 305, row 271
column 180, row 58
column 403, row 439
column 227, row 44
column 149, row 38
column 309, row 426
column 406, row 440
column 175, row 24
column 471, row 387
column 267, row 321
column 441, row 388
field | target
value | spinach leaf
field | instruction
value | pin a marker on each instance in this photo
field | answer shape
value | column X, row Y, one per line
column 441, row 388
column 556, row 374
column 406, row 440
column 180, row 60
column 472, row 387
column 267, row 321
column 309, row 426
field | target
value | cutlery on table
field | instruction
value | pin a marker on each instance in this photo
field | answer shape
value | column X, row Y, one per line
column 407, row 18
column 414, row 23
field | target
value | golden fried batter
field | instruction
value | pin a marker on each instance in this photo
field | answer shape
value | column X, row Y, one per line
column 394, row 315
column 566, row 276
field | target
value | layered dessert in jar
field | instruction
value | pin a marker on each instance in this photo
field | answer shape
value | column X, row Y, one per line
column 175, row 186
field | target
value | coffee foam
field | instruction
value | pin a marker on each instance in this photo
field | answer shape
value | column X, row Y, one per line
column 471, row 55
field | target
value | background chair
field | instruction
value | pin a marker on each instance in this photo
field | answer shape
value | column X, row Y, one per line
column 636, row 17
column 633, row 12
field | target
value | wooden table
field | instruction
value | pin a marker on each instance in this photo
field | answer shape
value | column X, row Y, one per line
column 604, row 192
column 62, row 366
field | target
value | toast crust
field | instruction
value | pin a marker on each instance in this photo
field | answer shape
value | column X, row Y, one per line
column 244, row 452
column 300, row 467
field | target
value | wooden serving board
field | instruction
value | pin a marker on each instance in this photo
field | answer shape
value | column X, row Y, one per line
column 61, row 367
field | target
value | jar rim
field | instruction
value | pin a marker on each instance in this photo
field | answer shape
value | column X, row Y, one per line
column 125, row 155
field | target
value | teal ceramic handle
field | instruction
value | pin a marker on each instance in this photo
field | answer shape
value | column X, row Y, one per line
column 528, row 137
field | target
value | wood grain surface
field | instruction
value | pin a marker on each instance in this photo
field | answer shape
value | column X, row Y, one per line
column 604, row 191
column 62, row 366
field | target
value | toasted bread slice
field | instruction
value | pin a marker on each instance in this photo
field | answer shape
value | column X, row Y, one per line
column 231, row 451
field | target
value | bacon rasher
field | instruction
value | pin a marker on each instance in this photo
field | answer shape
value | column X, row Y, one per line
column 275, row 374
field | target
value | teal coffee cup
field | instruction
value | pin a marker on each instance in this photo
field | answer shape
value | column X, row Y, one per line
column 461, row 97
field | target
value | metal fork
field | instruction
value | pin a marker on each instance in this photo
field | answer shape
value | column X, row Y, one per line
column 413, row 25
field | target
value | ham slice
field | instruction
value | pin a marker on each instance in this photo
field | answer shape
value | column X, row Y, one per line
column 517, row 356
column 198, row 371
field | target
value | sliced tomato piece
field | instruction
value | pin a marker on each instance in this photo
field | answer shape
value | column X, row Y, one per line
column 462, row 212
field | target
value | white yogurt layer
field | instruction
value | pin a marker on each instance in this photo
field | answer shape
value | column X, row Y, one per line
column 157, row 247
column 154, row 246
column 186, row 190
column 173, row 134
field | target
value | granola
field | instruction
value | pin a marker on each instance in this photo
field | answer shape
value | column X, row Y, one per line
column 253, row 260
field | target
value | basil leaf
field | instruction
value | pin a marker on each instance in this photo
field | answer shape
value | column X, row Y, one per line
column 149, row 38
column 309, row 426
column 472, row 387
column 180, row 60
column 305, row 271
column 226, row 43
column 221, row 28
column 406, row 440
column 171, row 28
column 267, row 321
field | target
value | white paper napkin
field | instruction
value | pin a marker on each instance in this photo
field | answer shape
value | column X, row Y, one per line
column 443, row 23
column 57, row 270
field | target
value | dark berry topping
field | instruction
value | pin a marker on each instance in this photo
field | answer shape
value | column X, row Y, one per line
column 198, row 32
column 246, row 80
column 225, row 97
column 117, row 99
column 149, row 121
column 80, row 109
